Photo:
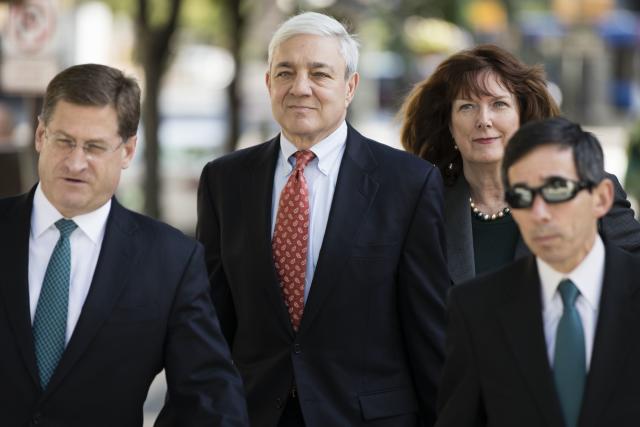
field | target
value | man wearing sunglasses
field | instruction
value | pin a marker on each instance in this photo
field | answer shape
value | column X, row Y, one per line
column 550, row 340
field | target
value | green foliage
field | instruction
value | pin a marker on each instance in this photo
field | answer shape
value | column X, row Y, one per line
column 201, row 19
column 632, row 179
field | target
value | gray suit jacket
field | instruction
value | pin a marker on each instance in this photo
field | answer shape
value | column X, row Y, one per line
column 619, row 227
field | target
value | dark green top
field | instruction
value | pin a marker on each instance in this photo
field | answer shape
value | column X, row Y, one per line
column 494, row 242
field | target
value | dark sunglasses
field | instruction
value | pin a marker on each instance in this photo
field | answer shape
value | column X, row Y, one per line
column 555, row 190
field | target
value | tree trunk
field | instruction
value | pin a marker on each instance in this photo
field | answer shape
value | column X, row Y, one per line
column 152, row 151
column 153, row 53
column 237, row 20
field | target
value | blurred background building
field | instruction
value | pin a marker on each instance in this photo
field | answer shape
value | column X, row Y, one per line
column 201, row 64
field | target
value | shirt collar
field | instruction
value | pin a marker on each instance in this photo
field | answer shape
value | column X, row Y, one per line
column 587, row 276
column 326, row 151
column 45, row 216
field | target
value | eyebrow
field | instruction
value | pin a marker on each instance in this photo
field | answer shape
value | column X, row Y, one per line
column 66, row 135
column 311, row 65
column 494, row 97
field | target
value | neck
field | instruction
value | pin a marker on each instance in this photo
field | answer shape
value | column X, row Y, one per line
column 302, row 143
column 306, row 141
column 568, row 265
column 485, row 186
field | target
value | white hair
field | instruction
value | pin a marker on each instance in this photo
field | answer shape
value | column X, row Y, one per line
column 319, row 25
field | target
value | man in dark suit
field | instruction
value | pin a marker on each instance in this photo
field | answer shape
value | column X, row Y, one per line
column 95, row 300
column 325, row 252
column 550, row 340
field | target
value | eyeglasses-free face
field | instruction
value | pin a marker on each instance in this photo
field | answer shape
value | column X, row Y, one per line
column 555, row 190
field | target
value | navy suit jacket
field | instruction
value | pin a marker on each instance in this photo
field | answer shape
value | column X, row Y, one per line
column 148, row 308
column 370, row 346
column 497, row 371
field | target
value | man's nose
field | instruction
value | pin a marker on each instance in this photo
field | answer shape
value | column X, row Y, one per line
column 301, row 85
column 76, row 160
column 540, row 208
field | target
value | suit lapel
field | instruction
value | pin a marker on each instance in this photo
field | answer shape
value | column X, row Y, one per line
column 522, row 250
column 259, row 199
column 521, row 317
column 118, row 254
column 458, row 232
column 354, row 194
column 618, row 314
column 14, row 263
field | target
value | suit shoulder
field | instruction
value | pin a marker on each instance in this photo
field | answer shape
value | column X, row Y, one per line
column 397, row 156
column 7, row 204
column 240, row 157
column 624, row 260
column 397, row 166
column 491, row 287
column 162, row 234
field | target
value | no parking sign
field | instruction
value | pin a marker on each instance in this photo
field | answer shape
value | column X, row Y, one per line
column 31, row 25
column 29, row 49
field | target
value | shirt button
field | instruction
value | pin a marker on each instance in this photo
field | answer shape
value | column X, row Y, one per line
column 297, row 349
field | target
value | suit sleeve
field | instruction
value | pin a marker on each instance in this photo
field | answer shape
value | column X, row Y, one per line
column 204, row 388
column 208, row 233
column 459, row 397
column 423, row 281
column 619, row 226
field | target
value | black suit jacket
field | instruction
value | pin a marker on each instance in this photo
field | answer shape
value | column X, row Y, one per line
column 497, row 371
column 148, row 308
column 370, row 346
column 618, row 227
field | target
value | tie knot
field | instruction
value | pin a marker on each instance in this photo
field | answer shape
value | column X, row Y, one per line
column 66, row 227
column 569, row 292
column 303, row 158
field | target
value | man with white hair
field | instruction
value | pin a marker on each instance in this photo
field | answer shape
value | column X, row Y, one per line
column 325, row 252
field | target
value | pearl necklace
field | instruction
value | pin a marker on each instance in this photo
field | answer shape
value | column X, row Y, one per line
column 485, row 216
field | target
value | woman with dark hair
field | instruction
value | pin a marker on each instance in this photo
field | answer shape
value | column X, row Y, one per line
column 460, row 119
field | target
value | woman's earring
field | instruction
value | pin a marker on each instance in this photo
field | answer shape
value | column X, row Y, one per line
column 455, row 147
column 450, row 166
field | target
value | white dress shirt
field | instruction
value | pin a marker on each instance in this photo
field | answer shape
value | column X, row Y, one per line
column 588, row 277
column 321, row 174
column 86, row 241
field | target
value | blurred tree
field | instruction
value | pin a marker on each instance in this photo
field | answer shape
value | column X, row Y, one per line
column 152, row 44
column 236, row 13
column 156, row 23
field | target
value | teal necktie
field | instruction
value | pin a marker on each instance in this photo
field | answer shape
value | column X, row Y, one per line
column 50, row 320
column 569, row 365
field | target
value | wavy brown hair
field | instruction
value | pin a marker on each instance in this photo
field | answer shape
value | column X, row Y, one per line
column 426, row 112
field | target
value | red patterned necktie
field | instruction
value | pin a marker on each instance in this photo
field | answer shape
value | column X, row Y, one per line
column 291, row 238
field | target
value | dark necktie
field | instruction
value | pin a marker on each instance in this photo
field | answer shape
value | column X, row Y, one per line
column 291, row 238
column 569, row 366
column 50, row 319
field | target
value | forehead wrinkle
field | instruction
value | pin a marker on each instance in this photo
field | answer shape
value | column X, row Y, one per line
column 283, row 64
column 319, row 65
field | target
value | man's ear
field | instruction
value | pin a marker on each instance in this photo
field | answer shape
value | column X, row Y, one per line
column 352, row 84
column 602, row 197
column 40, row 134
column 128, row 150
